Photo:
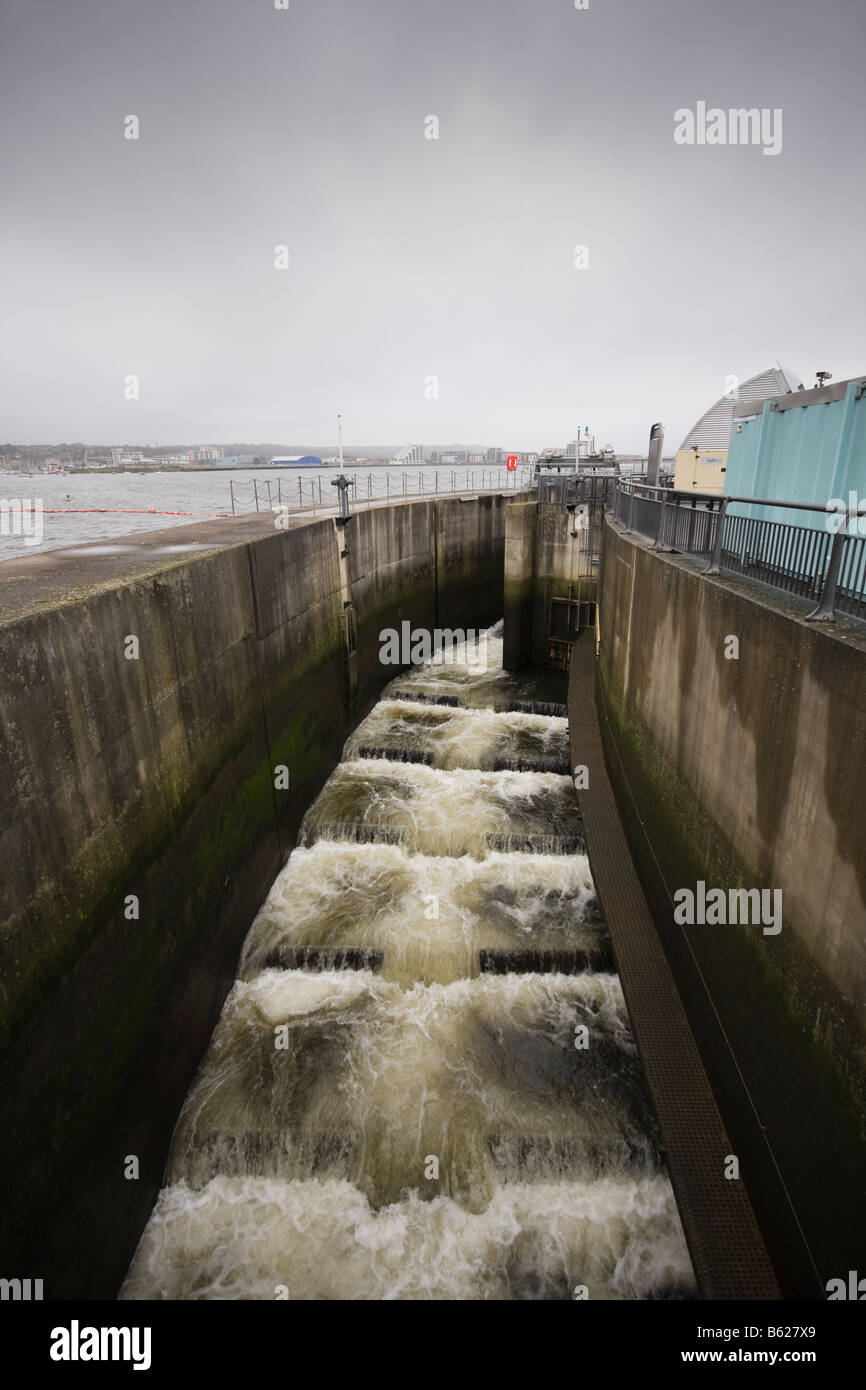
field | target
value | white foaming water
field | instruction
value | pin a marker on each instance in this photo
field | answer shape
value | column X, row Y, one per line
column 455, row 684
column 430, row 916
column 371, row 1080
column 445, row 813
column 457, row 676
column 461, row 738
column 459, row 684
column 252, row 1238
column 424, row 1130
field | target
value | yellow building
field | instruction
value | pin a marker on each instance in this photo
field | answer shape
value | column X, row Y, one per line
column 700, row 470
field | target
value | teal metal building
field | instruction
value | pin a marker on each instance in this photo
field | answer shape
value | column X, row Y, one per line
column 804, row 446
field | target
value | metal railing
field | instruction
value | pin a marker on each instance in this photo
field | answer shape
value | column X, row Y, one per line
column 826, row 565
column 302, row 494
column 571, row 489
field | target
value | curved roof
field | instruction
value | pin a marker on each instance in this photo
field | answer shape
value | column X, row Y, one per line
column 713, row 430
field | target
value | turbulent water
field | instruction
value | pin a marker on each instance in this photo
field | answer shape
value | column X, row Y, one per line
column 423, row 1083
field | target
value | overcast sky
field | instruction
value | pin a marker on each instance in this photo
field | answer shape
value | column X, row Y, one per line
column 412, row 257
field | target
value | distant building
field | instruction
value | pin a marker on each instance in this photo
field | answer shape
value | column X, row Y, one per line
column 583, row 446
column 410, row 454
column 138, row 460
column 702, row 457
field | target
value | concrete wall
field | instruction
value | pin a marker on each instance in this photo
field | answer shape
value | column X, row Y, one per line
column 154, row 778
column 544, row 563
column 749, row 773
column 520, row 546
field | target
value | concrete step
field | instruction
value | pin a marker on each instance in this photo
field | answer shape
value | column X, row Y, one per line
column 532, row 962
column 321, row 958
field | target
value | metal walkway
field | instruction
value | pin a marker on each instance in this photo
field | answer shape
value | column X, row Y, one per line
column 727, row 1251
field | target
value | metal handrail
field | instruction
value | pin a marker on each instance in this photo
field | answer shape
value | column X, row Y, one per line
column 249, row 494
column 717, row 505
column 719, row 498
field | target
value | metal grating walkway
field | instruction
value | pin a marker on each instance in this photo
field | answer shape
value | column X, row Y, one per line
column 727, row 1251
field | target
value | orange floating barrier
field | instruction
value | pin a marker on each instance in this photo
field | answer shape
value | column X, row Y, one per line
column 124, row 511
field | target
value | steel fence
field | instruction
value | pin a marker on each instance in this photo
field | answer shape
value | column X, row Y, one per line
column 826, row 565
column 302, row 494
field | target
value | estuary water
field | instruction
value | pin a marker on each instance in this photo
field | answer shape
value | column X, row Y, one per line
column 423, row 1084
column 79, row 507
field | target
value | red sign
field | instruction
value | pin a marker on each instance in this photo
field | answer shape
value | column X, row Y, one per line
column 511, row 463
